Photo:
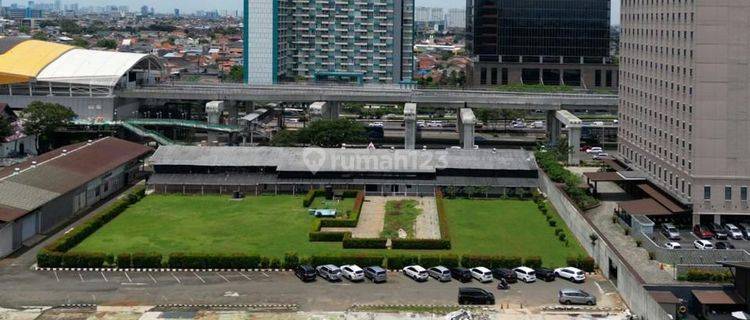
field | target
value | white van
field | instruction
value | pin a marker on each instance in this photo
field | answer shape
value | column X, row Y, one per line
column 525, row 274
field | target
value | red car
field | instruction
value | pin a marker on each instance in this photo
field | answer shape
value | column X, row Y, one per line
column 702, row 232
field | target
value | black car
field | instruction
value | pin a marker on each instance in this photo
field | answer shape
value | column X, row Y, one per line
column 545, row 274
column 724, row 246
column 461, row 274
column 305, row 273
column 507, row 274
column 718, row 230
column 475, row 296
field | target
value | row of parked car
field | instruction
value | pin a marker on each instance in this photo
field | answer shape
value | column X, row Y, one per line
column 418, row 273
column 565, row 296
column 740, row 231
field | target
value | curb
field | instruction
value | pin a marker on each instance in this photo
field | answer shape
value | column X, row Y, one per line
column 234, row 306
column 78, row 305
column 581, row 308
column 159, row 270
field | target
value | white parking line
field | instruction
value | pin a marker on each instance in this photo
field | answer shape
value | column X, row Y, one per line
column 127, row 276
column 103, row 276
column 176, row 278
column 223, row 277
column 152, row 277
column 199, row 277
column 246, row 277
column 81, row 276
column 56, row 276
column 264, row 274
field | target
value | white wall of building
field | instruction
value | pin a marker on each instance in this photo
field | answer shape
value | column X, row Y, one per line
column 261, row 44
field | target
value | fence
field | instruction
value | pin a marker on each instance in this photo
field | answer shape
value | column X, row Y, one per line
column 689, row 256
column 628, row 283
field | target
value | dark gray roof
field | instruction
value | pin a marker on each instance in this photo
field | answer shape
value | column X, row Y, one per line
column 345, row 160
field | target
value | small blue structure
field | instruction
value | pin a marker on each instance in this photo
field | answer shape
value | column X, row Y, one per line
column 323, row 213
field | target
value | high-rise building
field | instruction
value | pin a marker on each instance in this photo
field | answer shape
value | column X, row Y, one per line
column 422, row 14
column 542, row 41
column 355, row 40
column 455, row 18
column 177, row 13
column 437, row 15
column 684, row 101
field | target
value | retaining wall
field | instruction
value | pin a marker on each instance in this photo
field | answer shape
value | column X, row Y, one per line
column 628, row 283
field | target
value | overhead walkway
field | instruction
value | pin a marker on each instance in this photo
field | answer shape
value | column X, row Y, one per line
column 192, row 124
column 145, row 133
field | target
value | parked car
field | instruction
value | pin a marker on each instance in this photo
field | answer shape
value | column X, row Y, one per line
column 734, row 231
column 601, row 156
column 416, row 272
column 670, row 231
column 745, row 230
column 306, row 273
column 546, row 275
column 673, row 245
column 376, row 125
column 525, row 274
column 482, row 274
column 440, row 273
column 702, row 232
column 507, row 274
column 718, row 231
column 475, row 296
column 576, row 296
column 595, row 150
column 461, row 274
column 703, row 245
column 329, row 272
column 571, row 274
column 724, row 246
column 353, row 272
column 376, row 274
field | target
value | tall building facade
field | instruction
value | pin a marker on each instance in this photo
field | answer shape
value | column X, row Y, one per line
column 685, row 101
column 347, row 40
column 541, row 41
column 455, row 18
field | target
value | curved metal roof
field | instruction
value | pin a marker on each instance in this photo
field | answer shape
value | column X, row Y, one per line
column 90, row 67
column 26, row 59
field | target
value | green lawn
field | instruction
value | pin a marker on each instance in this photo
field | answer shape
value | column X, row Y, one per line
column 343, row 207
column 507, row 227
column 400, row 215
column 273, row 225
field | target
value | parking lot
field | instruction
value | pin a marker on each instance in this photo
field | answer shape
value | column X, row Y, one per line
column 154, row 288
column 687, row 237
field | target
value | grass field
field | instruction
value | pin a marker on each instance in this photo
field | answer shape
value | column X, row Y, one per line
column 343, row 207
column 273, row 225
column 400, row 215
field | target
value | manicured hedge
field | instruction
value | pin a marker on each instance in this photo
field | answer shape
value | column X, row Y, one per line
column 558, row 173
column 362, row 260
column 401, row 261
column 442, row 217
column 124, row 260
column 584, row 263
column 363, row 243
column 698, row 275
column 310, row 197
column 471, row 261
column 49, row 259
column 146, row 260
column 320, row 236
column 533, row 262
column 83, row 259
column 214, row 261
column 421, row 244
column 448, row 261
column 354, row 219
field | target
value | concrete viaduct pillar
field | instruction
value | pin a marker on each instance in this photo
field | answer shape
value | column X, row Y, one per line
column 410, row 126
column 214, row 109
column 466, row 123
column 325, row 110
column 555, row 121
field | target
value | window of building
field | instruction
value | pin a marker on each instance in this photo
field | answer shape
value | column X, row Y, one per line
column 707, row 193
column 743, row 193
column 493, row 76
column 483, row 76
column 728, row 193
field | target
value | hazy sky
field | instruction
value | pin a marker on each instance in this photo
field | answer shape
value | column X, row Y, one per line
column 192, row 5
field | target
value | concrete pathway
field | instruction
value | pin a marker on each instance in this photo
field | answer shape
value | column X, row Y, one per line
column 371, row 218
column 428, row 223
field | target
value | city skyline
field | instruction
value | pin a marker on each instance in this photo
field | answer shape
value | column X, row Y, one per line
column 188, row 6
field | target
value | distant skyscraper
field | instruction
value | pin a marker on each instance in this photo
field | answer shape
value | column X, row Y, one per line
column 370, row 41
column 437, row 15
column 144, row 10
column 422, row 14
column 177, row 13
column 455, row 18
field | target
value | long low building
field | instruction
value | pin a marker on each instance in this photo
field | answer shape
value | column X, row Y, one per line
column 257, row 170
column 41, row 194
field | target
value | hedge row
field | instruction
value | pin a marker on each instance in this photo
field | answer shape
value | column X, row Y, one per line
column 421, row 244
column 319, row 236
column 310, row 197
column 354, row 219
column 558, row 173
column 363, row 243
column 698, row 275
column 52, row 254
column 584, row 263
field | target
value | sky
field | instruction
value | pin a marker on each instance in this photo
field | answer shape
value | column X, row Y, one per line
column 193, row 5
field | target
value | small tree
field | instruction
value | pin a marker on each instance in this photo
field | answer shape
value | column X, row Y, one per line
column 452, row 191
column 236, row 74
column 5, row 129
column 107, row 43
column 43, row 119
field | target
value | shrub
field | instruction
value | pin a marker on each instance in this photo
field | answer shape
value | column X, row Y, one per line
column 442, row 217
column 49, row 259
column 328, row 236
column 310, row 197
column 638, row 242
column 559, row 231
column 291, row 260
column 362, row 260
column 421, row 244
column 471, row 261
column 627, row 231
column 584, row 263
column 450, row 260
column 562, row 237
column 363, row 243
column 401, row 261
column 507, row 262
column 533, row 262
column 651, row 255
column 206, row 261
column 552, row 223
column 124, row 261
column 146, row 260
column 698, row 275
column 433, row 260
column 83, row 259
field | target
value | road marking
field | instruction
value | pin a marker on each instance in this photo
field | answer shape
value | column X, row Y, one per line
column 223, row 277
column 103, row 276
column 81, row 276
column 152, row 277
column 246, row 277
column 133, row 284
column 264, row 274
column 127, row 276
column 56, row 276
column 199, row 277
column 176, row 278
column 600, row 287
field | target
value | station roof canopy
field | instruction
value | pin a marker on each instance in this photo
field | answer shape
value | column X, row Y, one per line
column 90, row 67
column 661, row 198
column 717, row 297
column 23, row 60
column 644, row 207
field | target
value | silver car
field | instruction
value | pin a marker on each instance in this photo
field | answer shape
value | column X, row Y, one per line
column 576, row 296
column 440, row 273
column 329, row 272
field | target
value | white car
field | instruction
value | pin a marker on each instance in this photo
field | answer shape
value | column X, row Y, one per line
column 601, row 156
column 734, row 232
column 595, row 150
column 416, row 272
column 435, row 124
column 703, row 245
column 482, row 274
column 525, row 274
column 353, row 272
column 376, row 125
column 571, row 274
column 673, row 245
